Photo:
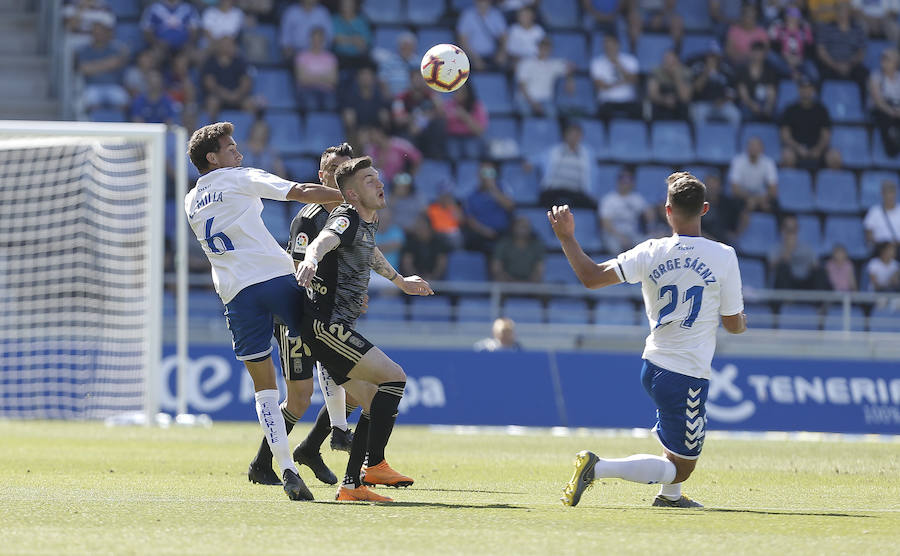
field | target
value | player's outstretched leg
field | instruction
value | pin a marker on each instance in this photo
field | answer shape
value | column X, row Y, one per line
column 582, row 478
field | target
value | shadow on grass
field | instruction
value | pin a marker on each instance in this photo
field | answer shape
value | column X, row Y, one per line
column 785, row 512
column 465, row 490
column 438, row 505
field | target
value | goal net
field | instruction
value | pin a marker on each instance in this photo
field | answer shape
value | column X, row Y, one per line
column 81, row 257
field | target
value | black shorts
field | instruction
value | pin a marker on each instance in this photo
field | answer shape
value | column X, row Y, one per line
column 296, row 361
column 337, row 346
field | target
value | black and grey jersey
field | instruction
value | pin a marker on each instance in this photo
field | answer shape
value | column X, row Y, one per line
column 304, row 228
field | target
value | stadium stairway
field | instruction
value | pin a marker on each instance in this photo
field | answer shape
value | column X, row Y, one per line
column 24, row 70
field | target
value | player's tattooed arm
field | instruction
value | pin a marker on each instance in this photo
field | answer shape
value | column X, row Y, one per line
column 324, row 243
column 314, row 193
column 411, row 285
column 381, row 265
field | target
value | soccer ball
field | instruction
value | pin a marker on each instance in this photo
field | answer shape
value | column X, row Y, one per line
column 445, row 67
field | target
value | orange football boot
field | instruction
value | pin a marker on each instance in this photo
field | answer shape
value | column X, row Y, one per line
column 359, row 494
column 382, row 474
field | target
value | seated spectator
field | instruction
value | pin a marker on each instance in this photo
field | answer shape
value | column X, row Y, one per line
column 884, row 270
column 840, row 271
column 482, row 35
column 879, row 18
column 486, row 211
column 884, row 96
column 135, row 76
column 446, row 218
column 352, row 36
column 395, row 66
column 390, row 237
column 466, row 120
column 519, row 255
column 316, row 71
column 661, row 16
column 727, row 217
column 536, row 81
column 405, row 202
column 424, row 252
column 364, row 104
column 263, row 10
column 258, row 151
column 254, row 42
column 713, row 92
column 754, row 178
column 793, row 263
column 391, row 154
column 634, row 28
column 226, row 80
column 615, row 76
column 806, row 127
column 567, row 169
column 524, row 36
column 757, row 86
column 222, row 20
column 154, row 106
column 170, row 25
column 101, row 64
column 79, row 17
column 771, row 11
column 569, row 103
column 743, row 34
column 621, row 214
column 600, row 15
column 882, row 222
column 669, row 88
column 503, row 337
column 416, row 117
column 297, row 23
column 841, row 47
column 791, row 37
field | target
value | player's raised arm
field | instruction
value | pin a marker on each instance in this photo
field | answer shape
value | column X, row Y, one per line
column 591, row 274
column 325, row 242
column 410, row 285
column 314, row 193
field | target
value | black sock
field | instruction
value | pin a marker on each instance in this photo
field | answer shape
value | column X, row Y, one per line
column 357, row 452
column 289, row 418
column 264, row 454
column 383, row 414
column 320, row 431
column 350, row 408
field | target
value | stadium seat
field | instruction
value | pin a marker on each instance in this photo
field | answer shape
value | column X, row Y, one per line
column 795, row 192
column 557, row 270
column 433, row 177
column 582, row 102
column 874, row 49
column 594, row 136
column 628, row 141
column 870, row 186
column 168, row 305
column 433, row 308
column 276, row 219
column 130, row 34
column 842, row 100
column 242, row 122
column 126, row 9
column 617, row 312
column 523, row 309
column 760, row 315
column 650, row 181
column 323, row 129
column 538, row 135
column 884, row 319
column 425, row 13
column 768, row 134
column 716, row 143
column 879, row 157
column 270, row 34
column 502, row 128
column 460, row 5
column 568, row 311
column 386, row 37
column 597, row 44
column 493, row 90
column 522, row 185
column 559, row 14
column 304, row 169
column 277, row 87
column 286, row 128
column 695, row 14
column 834, row 318
column 759, row 237
column 107, row 115
column 848, row 231
column 467, row 266
column 695, row 46
column 671, row 142
column 853, row 144
column 787, row 95
column 605, row 178
column 799, row 317
column 174, row 217
column 809, row 231
column 390, row 307
column 571, row 47
column 540, row 226
column 467, row 179
column 205, row 304
column 474, row 309
column 836, row 192
column 587, row 232
column 650, row 50
column 753, row 273
column 384, row 11
column 430, row 36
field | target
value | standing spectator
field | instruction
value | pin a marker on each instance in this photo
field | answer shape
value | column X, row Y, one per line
column 486, row 211
column 884, row 96
column 713, row 93
column 882, row 222
column 840, row 271
column 222, row 20
column 79, row 17
column 101, row 63
column 524, row 36
column 316, row 71
column 503, row 337
column 754, row 178
column 363, row 105
column 154, row 106
column 792, row 36
column 879, row 18
column 727, row 217
column 170, row 25
column 226, row 80
column 615, row 76
column 136, row 76
column 841, row 47
column 806, row 127
column 405, row 201
column 793, row 263
column 536, row 81
column 391, row 155
column 416, row 118
column 519, row 255
column 757, row 83
column 600, row 15
column 352, row 36
column 424, row 252
column 669, row 88
column 743, row 34
column 297, row 24
column 446, row 217
column 394, row 67
column 567, row 169
column 467, row 119
column 482, row 34
column 259, row 153
column 621, row 212
column 884, row 270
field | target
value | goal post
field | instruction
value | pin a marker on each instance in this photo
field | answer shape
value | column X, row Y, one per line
column 82, row 231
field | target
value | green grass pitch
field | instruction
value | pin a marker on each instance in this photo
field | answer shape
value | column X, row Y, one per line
column 83, row 488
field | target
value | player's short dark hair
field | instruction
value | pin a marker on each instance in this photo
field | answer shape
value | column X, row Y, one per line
column 206, row 140
column 348, row 169
column 686, row 194
column 344, row 149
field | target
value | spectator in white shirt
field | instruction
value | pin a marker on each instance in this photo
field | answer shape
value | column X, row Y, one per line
column 536, row 81
column 879, row 18
column 482, row 34
column 568, row 172
column 753, row 178
column 621, row 212
column 224, row 20
column 882, row 222
column 884, row 270
column 297, row 24
column 615, row 76
column 524, row 35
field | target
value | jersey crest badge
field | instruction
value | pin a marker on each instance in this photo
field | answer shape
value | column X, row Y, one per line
column 340, row 224
column 301, row 242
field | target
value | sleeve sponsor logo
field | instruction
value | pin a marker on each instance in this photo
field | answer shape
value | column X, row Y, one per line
column 301, row 242
column 340, row 224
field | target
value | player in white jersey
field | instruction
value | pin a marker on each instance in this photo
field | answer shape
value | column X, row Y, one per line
column 252, row 274
column 688, row 283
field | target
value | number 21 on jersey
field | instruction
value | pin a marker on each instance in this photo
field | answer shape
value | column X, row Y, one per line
column 694, row 295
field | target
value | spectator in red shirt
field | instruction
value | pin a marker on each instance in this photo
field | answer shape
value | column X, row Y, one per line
column 391, row 155
column 791, row 37
column 743, row 34
column 467, row 119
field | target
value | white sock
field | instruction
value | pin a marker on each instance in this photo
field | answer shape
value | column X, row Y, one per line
column 272, row 423
column 335, row 399
column 672, row 491
column 639, row 468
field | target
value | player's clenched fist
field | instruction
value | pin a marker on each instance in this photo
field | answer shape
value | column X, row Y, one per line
column 562, row 220
column 305, row 272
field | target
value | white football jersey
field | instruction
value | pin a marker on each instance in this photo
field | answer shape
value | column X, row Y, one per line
column 687, row 283
column 224, row 210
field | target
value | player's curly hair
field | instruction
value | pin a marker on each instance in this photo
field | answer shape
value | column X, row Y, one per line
column 206, row 140
column 686, row 194
column 344, row 149
column 345, row 171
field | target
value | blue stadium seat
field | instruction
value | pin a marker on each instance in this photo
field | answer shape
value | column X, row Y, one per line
column 286, row 128
column 466, row 178
column 597, row 44
column 787, row 94
column 848, row 231
column 323, row 129
column 761, row 234
column 433, row 308
column 695, row 14
column 671, row 142
column 460, row 5
column 523, row 309
column 571, row 47
column 836, row 192
column 870, row 186
column 538, row 219
column 605, row 178
column 474, row 309
column 879, row 157
column 628, row 141
column 809, row 231
column 390, row 307
column 594, row 136
column 467, row 266
column 130, row 34
column 795, row 192
column 842, row 100
column 502, row 128
column 277, row 86
column 587, row 232
column 126, row 9
column 383, row 11
column 303, row 170
column 242, row 122
column 557, row 269
column 493, row 90
column 538, row 135
column 753, row 273
column 853, row 144
column 617, row 312
column 276, row 219
column 695, row 46
column 650, row 181
column 522, row 186
column 834, row 318
column 559, row 14
column 425, row 13
column 430, row 36
column 168, row 305
column 799, row 317
column 270, row 34
column 205, row 304
column 768, row 134
column 568, row 311
column 873, row 53
column 650, row 50
column 883, row 319
column 760, row 315
column 716, row 143
column 386, row 37
column 174, row 217
column 107, row 115
column 432, row 177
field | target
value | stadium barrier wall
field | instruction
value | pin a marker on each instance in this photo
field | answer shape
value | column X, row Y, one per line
column 583, row 389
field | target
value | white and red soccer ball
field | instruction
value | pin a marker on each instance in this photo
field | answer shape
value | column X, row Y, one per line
column 445, row 67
